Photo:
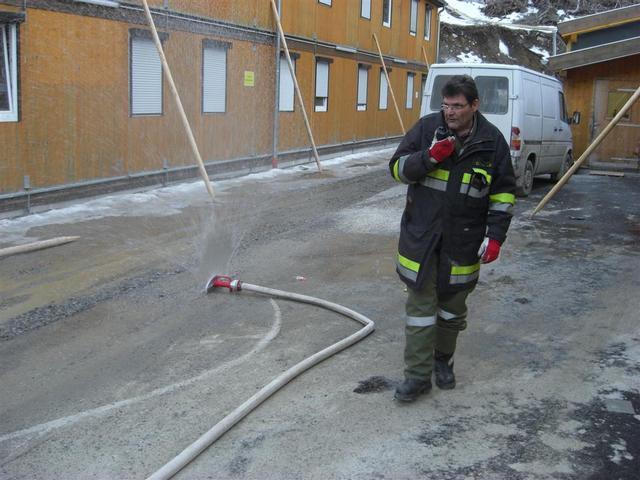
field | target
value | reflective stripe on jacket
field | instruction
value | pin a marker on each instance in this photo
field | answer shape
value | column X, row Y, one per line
column 453, row 205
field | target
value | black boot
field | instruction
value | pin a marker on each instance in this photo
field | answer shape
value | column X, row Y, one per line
column 411, row 389
column 445, row 378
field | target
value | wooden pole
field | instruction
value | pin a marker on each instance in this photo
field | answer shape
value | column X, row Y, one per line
column 295, row 83
column 176, row 96
column 588, row 151
column 29, row 247
column 386, row 74
column 426, row 60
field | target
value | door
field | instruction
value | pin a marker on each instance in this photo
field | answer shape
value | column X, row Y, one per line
column 622, row 143
column 495, row 89
column 554, row 130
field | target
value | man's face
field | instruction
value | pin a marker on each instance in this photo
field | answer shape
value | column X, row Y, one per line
column 458, row 113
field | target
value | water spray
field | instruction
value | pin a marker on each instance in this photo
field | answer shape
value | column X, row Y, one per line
column 219, row 282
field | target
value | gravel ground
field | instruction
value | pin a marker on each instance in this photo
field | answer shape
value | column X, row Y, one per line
column 113, row 360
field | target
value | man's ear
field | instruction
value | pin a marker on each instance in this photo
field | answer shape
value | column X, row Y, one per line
column 475, row 104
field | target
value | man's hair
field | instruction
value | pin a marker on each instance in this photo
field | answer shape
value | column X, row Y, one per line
column 461, row 84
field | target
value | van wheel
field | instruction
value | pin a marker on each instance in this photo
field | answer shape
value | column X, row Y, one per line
column 566, row 165
column 527, row 180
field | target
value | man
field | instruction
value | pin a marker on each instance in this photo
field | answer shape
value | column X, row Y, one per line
column 458, row 209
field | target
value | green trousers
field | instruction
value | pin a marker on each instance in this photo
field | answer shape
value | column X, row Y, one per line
column 433, row 323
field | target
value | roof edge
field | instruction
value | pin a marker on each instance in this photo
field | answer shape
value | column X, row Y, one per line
column 600, row 20
column 597, row 54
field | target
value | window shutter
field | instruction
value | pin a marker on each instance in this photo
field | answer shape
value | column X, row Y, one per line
column 383, row 91
column 6, row 94
column 362, row 86
column 322, row 79
column 286, row 86
column 214, row 81
column 409, row 90
column 427, row 23
column 365, row 9
column 413, row 27
column 146, row 78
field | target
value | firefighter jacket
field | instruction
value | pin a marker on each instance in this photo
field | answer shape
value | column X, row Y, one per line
column 451, row 206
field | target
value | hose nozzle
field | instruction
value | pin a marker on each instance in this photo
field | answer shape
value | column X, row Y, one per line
column 223, row 281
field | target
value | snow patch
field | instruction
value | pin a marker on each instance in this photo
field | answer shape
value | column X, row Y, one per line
column 620, row 452
column 503, row 48
column 460, row 12
column 540, row 51
column 468, row 57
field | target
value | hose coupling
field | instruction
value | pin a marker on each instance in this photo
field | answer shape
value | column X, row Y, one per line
column 224, row 281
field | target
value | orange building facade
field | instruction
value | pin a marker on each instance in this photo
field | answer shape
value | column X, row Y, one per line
column 84, row 105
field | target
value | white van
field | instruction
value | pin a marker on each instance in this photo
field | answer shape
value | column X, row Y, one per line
column 528, row 108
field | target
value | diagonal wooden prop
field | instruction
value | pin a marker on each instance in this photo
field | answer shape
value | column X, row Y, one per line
column 174, row 91
column 588, row 151
column 386, row 74
column 295, row 83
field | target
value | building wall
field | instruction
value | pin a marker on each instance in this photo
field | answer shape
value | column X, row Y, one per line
column 75, row 123
column 580, row 91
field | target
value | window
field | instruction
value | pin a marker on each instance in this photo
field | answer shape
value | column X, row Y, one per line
column 322, row 85
column 146, row 75
column 103, row 3
column 409, row 103
column 8, row 73
column 615, row 101
column 423, row 84
column 413, row 18
column 325, row 2
column 427, row 23
column 563, row 108
column 363, row 78
column 384, row 91
column 365, row 9
column 214, row 76
column 436, row 92
column 287, row 88
column 494, row 94
column 386, row 13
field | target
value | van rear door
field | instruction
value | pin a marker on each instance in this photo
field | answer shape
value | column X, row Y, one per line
column 553, row 129
column 495, row 89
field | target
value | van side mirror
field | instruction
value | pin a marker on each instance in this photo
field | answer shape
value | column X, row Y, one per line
column 575, row 118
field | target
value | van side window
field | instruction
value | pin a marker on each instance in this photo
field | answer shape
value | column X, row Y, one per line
column 563, row 108
column 494, row 94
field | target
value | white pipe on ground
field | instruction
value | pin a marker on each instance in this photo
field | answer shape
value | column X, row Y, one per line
column 202, row 443
column 29, row 247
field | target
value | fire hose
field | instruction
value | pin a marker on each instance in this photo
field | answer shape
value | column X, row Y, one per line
column 207, row 439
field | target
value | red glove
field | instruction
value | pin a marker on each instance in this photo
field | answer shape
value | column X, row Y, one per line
column 489, row 250
column 442, row 149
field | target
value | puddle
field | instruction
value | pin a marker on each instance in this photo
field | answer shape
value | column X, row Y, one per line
column 374, row 385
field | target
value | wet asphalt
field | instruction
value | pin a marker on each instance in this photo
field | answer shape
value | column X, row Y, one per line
column 113, row 359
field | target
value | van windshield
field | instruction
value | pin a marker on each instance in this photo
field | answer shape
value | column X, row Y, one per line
column 493, row 92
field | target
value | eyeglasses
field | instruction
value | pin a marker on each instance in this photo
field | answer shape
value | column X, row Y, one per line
column 455, row 107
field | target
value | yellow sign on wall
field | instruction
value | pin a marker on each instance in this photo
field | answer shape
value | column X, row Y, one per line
column 249, row 79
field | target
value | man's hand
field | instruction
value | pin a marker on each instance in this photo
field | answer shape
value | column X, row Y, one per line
column 489, row 250
column 442, row 149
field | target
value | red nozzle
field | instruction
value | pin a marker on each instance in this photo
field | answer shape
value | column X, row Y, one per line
column 223, row 281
